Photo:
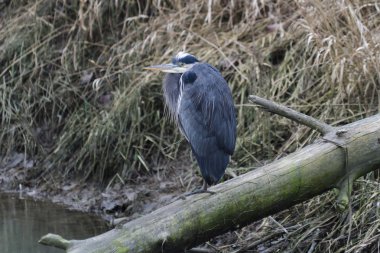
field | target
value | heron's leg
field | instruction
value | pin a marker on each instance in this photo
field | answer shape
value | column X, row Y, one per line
column 204, row 186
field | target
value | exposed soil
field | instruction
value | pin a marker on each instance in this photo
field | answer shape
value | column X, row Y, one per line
column 143, row 194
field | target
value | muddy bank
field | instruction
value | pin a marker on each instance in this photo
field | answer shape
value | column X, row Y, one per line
column 118, row 198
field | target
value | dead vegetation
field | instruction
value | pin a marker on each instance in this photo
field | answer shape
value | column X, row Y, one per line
column 74, row 96
column 314, row 226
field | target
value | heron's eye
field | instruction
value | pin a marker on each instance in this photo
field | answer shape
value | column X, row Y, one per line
column 181, row 64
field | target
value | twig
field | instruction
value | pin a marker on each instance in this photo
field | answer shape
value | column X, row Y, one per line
column 278, row 224
column 277, row 247
column 314, row 242
column 260, row 241
column 199, row 250
column 301, row 118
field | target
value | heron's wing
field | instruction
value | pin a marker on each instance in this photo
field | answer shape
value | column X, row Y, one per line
column 206, row 116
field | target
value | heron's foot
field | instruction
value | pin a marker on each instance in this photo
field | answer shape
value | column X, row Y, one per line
column 199, row 191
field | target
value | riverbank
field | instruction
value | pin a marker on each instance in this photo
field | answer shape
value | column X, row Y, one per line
column 145, row 193
column 314, row 224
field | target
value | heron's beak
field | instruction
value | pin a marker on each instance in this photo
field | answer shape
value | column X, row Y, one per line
column 168, row 68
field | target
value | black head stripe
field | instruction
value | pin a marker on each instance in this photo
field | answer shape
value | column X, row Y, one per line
column 184, row 58
column 188, row 59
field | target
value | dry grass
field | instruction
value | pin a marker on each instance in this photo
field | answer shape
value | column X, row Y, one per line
column 73, row 93
column 314, row 226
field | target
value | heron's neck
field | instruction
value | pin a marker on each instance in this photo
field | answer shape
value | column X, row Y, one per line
column 171, row 92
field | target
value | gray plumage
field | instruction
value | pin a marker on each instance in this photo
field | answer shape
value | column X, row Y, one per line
column 201, row 102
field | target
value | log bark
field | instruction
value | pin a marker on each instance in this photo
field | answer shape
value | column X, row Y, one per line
column 334, row 161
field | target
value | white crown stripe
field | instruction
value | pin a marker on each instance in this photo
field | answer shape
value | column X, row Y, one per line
column 182, row 55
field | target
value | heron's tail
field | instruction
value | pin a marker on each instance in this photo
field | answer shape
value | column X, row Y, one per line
column 213, row 165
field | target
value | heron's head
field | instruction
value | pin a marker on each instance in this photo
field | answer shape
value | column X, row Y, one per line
column 180, row 64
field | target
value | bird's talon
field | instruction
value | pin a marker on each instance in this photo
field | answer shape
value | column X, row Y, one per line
column 212, row 193
column 199, row 191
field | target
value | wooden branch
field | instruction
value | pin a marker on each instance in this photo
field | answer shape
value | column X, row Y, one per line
column 247, row 198
column 301, row 118
column 345, row 186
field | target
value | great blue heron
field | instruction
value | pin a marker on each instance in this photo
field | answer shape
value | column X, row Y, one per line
column 200, row 101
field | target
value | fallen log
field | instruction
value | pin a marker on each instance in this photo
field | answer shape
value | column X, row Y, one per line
column 334, row 161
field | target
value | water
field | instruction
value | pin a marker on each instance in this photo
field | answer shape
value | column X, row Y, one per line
column 23, row 222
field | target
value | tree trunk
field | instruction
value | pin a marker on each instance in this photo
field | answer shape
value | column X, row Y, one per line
column 333, row 161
